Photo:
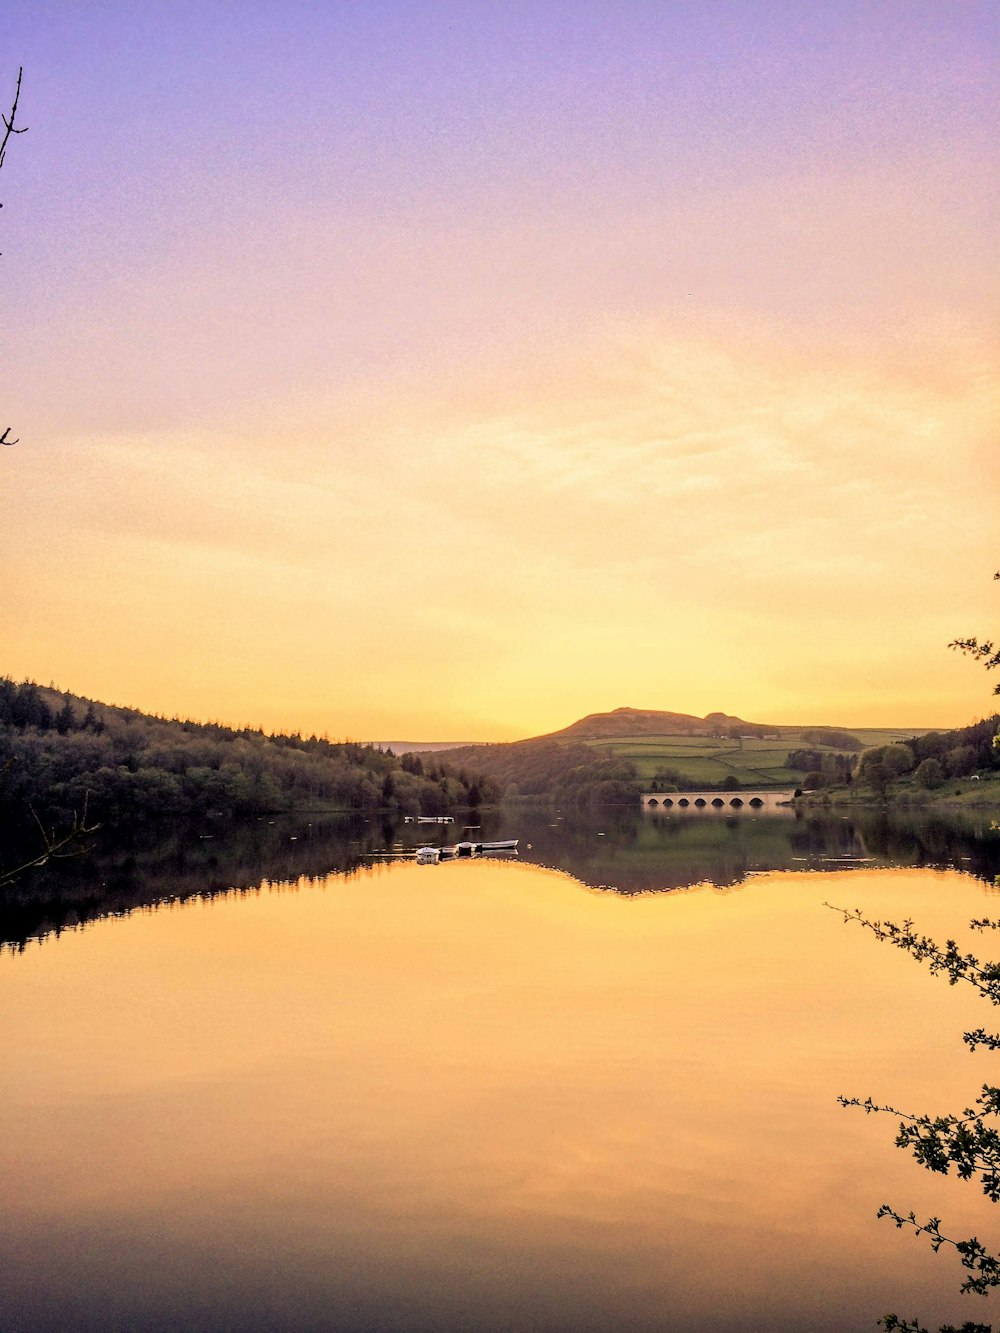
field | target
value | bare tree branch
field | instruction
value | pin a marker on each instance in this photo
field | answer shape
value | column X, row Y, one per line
column 9, row 129
column 9, row 126
column 55, row 845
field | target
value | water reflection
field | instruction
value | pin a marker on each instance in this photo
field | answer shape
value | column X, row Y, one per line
column 617, row 850
column 475, row 1097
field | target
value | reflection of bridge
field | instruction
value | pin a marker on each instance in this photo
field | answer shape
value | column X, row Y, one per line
column 764, row 801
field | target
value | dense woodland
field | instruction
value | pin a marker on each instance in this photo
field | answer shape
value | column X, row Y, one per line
column 58, row 752
column 925, row 762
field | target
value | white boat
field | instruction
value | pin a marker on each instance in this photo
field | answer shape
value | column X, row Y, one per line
column 429, row 856
column 480, row 848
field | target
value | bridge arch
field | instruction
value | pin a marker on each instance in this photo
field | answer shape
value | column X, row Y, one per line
column 761, row 800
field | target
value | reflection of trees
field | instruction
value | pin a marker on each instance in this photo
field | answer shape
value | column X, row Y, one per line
column 617, row 849
column 129, row 870
column 933, row 842
column 822, row 838
column 640, row 854
column 653, row 853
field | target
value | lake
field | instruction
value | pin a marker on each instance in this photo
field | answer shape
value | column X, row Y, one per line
column 280, row 1076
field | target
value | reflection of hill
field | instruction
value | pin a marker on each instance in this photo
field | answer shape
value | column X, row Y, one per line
column 615, row 849
column 636, row 855
column 630, row 854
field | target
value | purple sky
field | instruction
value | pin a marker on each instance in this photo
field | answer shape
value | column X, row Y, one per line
column 233, row 228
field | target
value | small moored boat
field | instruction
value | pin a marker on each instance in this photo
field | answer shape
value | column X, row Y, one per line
column 428, row 856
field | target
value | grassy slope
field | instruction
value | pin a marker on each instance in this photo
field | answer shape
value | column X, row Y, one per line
column 956, row 793
column 705, row 759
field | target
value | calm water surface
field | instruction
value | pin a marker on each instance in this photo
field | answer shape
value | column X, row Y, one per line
column 483, row 1095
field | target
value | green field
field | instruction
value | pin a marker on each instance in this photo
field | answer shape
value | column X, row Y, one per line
column 703, row 759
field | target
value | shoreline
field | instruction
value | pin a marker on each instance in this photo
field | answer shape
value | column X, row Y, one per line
column 961, row 795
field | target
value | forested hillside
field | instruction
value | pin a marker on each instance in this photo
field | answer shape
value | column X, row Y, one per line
column 571, row 773
column 58, row 751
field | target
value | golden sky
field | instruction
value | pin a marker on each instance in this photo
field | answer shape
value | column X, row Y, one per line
column 442, row 374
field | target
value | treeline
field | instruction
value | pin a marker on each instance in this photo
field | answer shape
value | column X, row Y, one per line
column 59, row 752
column 927, row 761
column 573, row 775
column 826, row 765
column 934, row 758
column 963, row 751
column 835, row 740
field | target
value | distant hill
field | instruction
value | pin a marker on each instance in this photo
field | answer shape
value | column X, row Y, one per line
column 578, row 764
column 651, row 722
column 611, row 757
column 423, row 747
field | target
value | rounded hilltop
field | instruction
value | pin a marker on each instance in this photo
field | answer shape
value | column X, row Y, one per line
column 649, row 722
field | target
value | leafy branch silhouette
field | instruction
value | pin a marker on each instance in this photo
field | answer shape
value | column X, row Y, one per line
column 987, row 652
column 968, row 1143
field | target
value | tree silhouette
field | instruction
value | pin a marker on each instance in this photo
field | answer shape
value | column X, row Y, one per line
column 968, row 1142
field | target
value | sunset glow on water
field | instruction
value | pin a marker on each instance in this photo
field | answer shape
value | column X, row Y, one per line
column 480, row 1095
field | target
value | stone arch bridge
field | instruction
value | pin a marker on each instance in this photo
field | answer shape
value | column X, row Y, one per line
column 766, row 800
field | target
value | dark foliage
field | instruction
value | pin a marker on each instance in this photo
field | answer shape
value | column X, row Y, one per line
column 962, row 751
column 833, row 766
column 59, row 752
column 891, row 1322
column 833, row 739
